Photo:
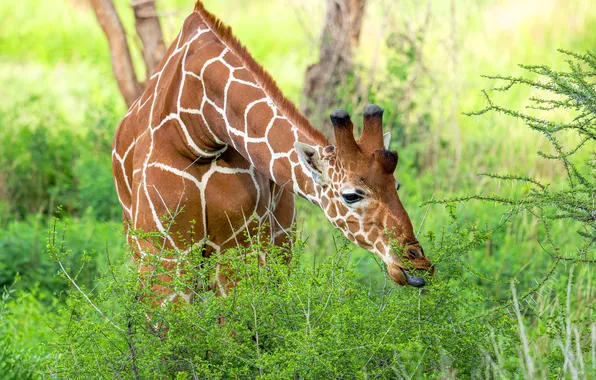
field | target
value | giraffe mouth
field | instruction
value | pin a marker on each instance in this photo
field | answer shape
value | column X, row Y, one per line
column 415, row 281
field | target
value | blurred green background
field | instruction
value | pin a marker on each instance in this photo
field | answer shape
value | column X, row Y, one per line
column 60, row 107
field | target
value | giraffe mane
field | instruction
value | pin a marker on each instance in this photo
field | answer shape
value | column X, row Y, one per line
column 264, row 79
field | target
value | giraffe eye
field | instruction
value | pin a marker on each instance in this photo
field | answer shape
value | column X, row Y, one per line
column 352, row 197
column 397, row 185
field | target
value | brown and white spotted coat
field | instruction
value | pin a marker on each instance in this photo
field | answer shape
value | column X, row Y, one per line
column 212, row 136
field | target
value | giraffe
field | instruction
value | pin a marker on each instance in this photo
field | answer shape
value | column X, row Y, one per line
column 213, row 135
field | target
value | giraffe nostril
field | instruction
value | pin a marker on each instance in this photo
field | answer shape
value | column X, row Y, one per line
column 413, row 253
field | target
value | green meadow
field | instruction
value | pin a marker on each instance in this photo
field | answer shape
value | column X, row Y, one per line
column 500, row 305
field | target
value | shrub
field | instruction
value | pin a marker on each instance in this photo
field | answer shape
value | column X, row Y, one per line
column 560, row 95
column 568, row 95
column 279, row 321
column 23, row 243
column 46, row 161
column 316, row 319
column 17, row 361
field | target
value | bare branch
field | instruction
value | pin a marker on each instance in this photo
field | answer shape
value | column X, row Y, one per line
column 65, row 272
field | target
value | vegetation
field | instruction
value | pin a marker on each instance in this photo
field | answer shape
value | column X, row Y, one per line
column 514, row 247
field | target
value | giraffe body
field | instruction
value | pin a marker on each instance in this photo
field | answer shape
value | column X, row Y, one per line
column 168, row 159
column 213, row 142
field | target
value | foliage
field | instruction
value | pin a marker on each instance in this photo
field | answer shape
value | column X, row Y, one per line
column 11, row 360
column 44, row 163
column 22, row 246
column 304, row 321
column 16, row 361
column 571, row 201
column 572, row 91
column 278, row 321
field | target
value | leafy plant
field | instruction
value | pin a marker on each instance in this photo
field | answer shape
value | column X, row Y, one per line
column 277, row 321
column 16, row 361
column 572, row 200
column 562, row 95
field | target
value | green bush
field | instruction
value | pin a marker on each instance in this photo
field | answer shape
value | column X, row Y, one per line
column 562, row 111
column 279, row 321
column 20, row 359
column 23, row 246
column 45, row 162
column 317, row 319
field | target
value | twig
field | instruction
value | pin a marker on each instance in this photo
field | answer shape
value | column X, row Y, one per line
column 87, row 298
column 425, row 213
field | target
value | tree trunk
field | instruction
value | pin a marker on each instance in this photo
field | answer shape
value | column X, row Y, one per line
column 324, row 80
column 122, row 65
column 149, row 31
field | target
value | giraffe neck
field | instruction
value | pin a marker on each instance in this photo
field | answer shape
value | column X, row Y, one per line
column 235, row 108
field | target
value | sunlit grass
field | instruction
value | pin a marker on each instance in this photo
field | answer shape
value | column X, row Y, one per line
column 67, row 91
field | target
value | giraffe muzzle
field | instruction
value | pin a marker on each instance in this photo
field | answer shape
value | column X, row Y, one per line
column 415, row 281
column 405, row 276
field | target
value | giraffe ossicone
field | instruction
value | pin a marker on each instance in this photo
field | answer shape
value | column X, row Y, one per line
column 213, row 135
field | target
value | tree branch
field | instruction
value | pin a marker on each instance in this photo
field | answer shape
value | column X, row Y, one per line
column 122, row 65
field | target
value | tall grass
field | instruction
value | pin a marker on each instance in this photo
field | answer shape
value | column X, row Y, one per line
column 566, row 346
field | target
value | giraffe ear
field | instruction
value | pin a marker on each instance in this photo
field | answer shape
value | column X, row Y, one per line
column 386, row 140
column 309, row 157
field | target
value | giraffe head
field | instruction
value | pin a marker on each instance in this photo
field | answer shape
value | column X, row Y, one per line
column 359, row 194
